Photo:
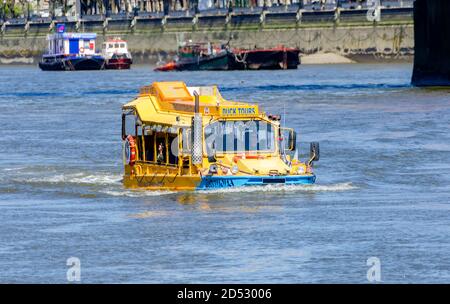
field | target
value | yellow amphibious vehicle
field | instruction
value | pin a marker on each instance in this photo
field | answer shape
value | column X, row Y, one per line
column 185, row 138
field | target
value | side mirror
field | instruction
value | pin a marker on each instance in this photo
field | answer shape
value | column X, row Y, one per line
column 314, row 152
column 289, row 139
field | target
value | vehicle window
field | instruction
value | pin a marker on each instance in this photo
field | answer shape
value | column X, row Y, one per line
column 284, row 136
column 149, row 147
column 173, row 148
column 239, row 136
column 128, row 124
column 186, row 140
column 266, row 140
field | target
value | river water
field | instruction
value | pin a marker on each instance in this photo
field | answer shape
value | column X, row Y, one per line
column 382, row 183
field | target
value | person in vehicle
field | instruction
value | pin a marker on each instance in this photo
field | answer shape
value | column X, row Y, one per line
column 160, row 157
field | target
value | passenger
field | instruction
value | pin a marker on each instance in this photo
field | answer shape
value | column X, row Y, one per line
column 160, row 157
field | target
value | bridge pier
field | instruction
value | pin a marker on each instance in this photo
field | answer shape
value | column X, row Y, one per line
column 432, row 43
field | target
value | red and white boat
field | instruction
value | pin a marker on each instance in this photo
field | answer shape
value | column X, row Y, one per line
column 116, row 54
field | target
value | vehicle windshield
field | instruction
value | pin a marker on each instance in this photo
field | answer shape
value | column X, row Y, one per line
column 239, row 136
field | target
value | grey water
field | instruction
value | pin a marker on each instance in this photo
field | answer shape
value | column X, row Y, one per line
column 382, row 191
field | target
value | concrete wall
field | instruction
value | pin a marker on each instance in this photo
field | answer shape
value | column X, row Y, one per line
column 149, row 40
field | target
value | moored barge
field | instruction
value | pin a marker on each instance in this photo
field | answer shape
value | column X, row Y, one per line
column 115, row 51
column 71, row 52
column 279, row 58
column 202, row 56
column 197, row 57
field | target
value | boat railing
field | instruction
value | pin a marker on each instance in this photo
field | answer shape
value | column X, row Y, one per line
column 156, row 163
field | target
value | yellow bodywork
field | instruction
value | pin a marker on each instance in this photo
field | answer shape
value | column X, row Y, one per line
column 163, row 113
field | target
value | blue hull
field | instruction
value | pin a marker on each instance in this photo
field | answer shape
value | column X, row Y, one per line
column 219, row 182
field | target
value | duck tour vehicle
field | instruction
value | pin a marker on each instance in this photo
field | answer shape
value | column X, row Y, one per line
column 190, row 138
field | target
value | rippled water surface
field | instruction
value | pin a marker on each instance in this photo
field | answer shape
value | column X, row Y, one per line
column 382, row 183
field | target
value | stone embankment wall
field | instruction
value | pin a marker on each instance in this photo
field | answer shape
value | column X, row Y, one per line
column 346, row 33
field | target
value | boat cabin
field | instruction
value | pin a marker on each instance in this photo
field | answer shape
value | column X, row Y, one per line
column 190, row 49
column 80, row 44
column 114, row 46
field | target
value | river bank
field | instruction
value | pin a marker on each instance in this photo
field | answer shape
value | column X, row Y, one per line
column 153, row 39
column 325, row 58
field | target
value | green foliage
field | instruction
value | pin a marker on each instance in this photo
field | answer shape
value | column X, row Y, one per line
column 11, row 8
column 18, row 10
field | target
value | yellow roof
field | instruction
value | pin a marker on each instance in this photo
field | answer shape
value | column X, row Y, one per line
column 173, row 102
column 172, row 91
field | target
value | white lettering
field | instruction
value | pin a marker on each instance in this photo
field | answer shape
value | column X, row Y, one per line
column 74, row 272
column 374, row 272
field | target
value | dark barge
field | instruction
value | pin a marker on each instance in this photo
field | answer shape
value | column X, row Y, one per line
column 204, row 56
column 197, row 57
column 279, row 58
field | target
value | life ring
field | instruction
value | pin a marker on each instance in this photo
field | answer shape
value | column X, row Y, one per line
column 81, row 49
column 130, row 150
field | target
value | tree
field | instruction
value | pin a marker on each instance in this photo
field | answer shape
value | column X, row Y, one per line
column 65, row 8
column 12, row 10
column 51, row 8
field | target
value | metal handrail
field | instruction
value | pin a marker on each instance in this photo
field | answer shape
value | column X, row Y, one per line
column 394, row 4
